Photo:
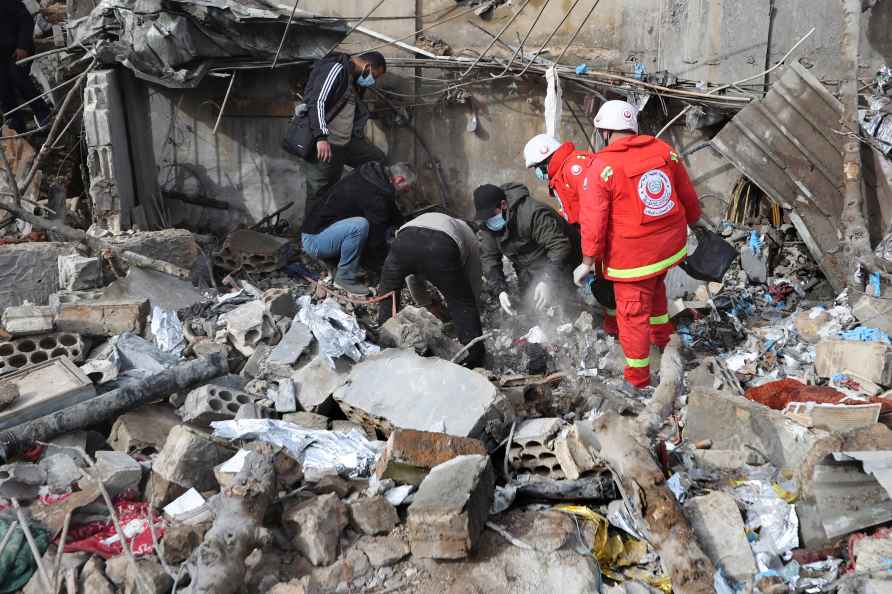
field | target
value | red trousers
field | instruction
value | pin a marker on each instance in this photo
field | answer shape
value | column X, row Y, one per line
column 643, row 316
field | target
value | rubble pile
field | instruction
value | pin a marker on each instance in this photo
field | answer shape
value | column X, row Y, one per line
column 317, row 452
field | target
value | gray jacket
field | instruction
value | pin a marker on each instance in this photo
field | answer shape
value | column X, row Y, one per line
column 463, row 236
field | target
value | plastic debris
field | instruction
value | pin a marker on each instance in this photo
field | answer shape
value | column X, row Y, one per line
column 866, row 334
column 582, row 69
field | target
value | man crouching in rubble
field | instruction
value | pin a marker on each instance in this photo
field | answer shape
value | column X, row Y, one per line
column 531, row 234
column 636, row 201
column 338, row 116
column 444, row 251
column 352, row 219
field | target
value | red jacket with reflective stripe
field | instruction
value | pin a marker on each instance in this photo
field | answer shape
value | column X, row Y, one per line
column 636, row 201
column 564, row 175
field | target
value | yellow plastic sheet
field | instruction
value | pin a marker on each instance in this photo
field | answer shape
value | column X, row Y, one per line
column 615, row 552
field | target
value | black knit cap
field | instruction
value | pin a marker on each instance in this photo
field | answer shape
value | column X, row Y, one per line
column 487, row 198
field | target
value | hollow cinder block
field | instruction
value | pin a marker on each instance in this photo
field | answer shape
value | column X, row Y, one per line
column 19, row 353
column 210, row 403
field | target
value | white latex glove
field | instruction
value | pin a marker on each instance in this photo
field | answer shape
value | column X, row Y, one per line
column 505, row 302
column 579, row 273
column 541, row 295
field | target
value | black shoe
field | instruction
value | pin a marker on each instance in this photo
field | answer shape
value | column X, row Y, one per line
column 352, row 287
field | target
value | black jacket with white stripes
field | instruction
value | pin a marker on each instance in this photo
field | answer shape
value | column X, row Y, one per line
column 330, row 78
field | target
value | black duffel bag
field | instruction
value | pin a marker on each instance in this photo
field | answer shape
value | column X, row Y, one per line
column 299, row 139
column 712, row 258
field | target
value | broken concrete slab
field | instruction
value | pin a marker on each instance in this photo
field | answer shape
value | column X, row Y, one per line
column 24, row 320
column 384, row 392
column 162, row 290
column 144, row 428
column 148, row 571
column 754, row 264
column 61, row 472
column 316, row 382
column 180, row 540
column 733, row 422
column 450, row 510
column 373, row 516
column 77, row 273
column 307, row 420
column 874, row 312
column 9, row 393
column 117, row 471
column 384, row 551
column 186, row 461
column 45, row 388
column 285, row 397
column 409, row 454
column 252, row 251
column 28, row 271
column 870, row 360
column 719, row 527
column 21, row 480
column 317, row 524
column 285, row 354
column 176, row 246
column 417, row 328
column 103, row 318
column 18, row 353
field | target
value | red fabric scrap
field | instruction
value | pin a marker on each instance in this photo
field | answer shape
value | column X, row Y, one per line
column 778, row 394
column 101, row 538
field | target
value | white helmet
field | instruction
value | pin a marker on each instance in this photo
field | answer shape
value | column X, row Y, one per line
column 539, row 148
column 617, row 115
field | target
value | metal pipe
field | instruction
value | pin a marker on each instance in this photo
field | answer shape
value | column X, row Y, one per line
column 225, row 101
column 578, row 29
column 285, row 34
column 114, row 403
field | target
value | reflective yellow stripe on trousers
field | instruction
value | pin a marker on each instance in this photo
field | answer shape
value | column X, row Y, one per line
column 650, row 268
column 657, row 320
column 638, row 362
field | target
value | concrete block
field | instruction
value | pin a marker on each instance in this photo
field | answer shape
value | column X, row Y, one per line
column 45, row 388
column 293, row 344
column 572, row 455
column 317, row 525
column 450, row 510
column 176, row 246
column 409, row 455
column 101, row 318
column 21, row 480
column 307, row 420
column 148, row 573
column 316, row 382
column 77, row 273
column 252, row 251
column 92, row 578
column 733, row 422
column 870, row 360
column 28, row 271
column 18, row 353
column 344, row 426
column 63, row 296
column 61, row 472
column 873, row 312
column 280, row 302
column 145, row 428
column 186, row 461
column 754, row 265
column 384, row 551
column 253, row 367
column 717, row 522
column 117, row 471
column 373, row 516
column 209, row 403
column 23, row 320
column 285, row 396
column 533, row 449
column 385, row 389
column 180, row 540
column 9, row 393
column 247, row 325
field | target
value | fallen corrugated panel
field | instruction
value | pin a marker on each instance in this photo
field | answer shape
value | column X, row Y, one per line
column 786, row 144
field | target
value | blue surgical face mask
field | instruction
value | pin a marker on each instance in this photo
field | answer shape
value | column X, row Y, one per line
column 541, row 174
column 496, row 223
column 366, row 80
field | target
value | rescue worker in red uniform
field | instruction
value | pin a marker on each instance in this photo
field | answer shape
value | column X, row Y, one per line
column 636, row 202
column 561, row 166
